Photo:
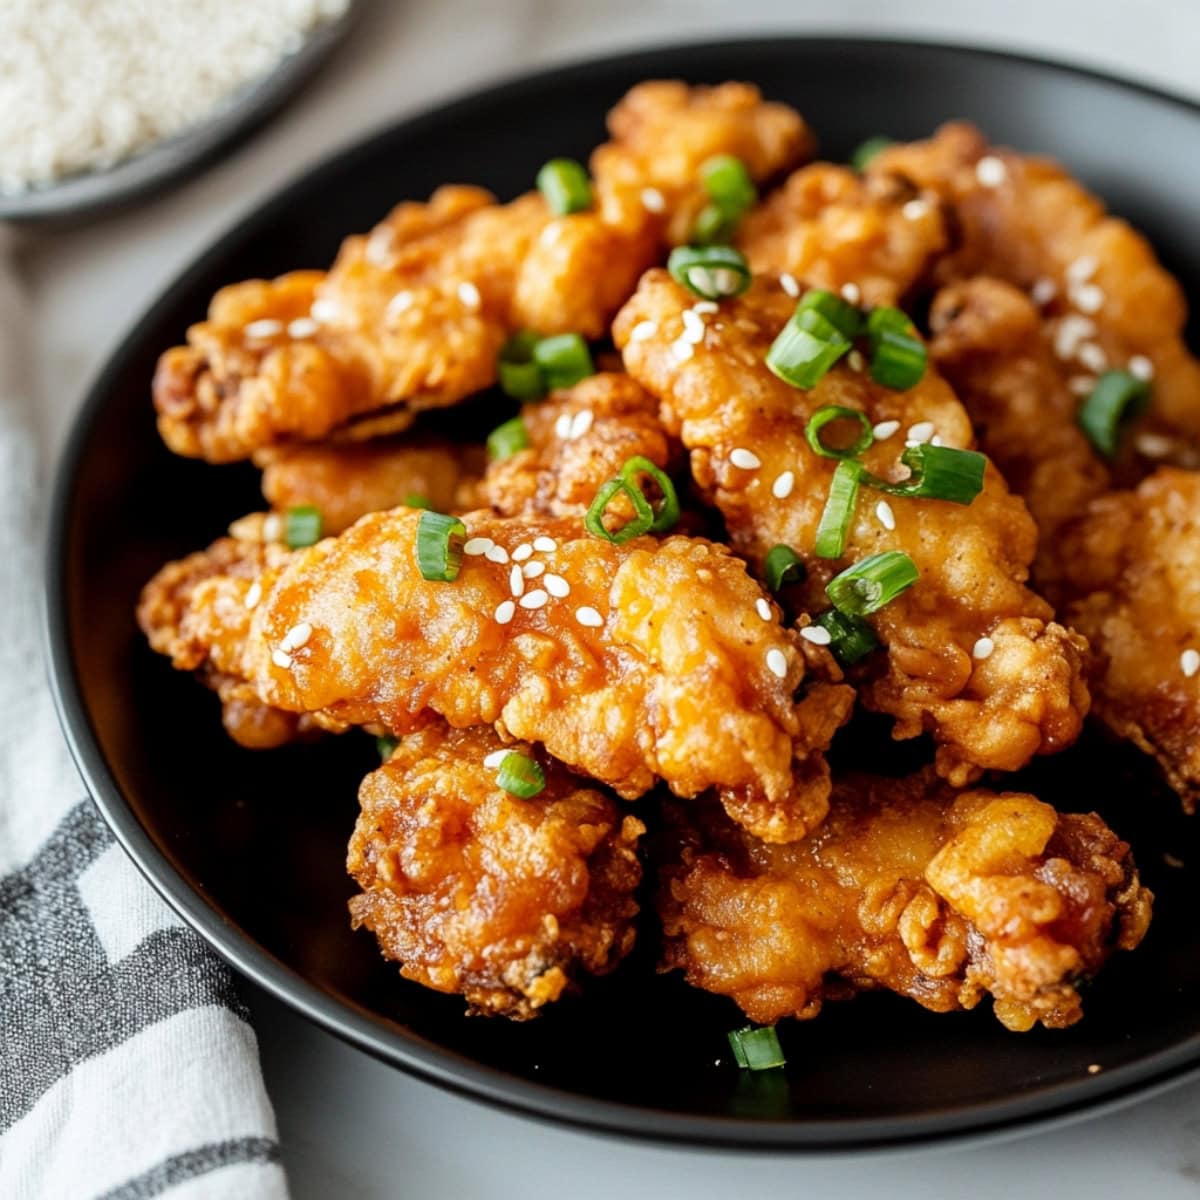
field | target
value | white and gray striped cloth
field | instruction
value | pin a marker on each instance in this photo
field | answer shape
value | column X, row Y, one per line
column 127, row 1065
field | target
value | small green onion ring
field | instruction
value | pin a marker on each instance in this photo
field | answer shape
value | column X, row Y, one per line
column 898, row 356
column 807, row 346
column 563, row 359
column 711, row 272
column 565, row 185
column 728, row 184
column 871, row 583
column 416, row 500
column 642, row 521
column 439, row 546
column 666, row 514
column 505, row 440
column 867, row 151
column 845, row 317
column 756, row 1049
column 837, row 412
column 938, row 473
column 386, row 746
column 783, row 566
column 302, row 526
column 839, row 510
column 520, row 775
column 851, row 638
column 520, row 377
column 1117, row 397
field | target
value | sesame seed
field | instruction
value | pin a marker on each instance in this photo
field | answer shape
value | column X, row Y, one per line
column 885, row 429
column 272, row 528
column 324, row 311
column 505, row 611
column 787, row 281
column 706, row 306
column 379, row 247
column 496, row 554
column 991, row 171
column 1072, row 330
column 653, row 200
column 1189, row 662
column 1140, row 367
column 851, row 293
column 777, row 663
column 478, row 545
column 302, row 327
column 914, row 210
column 887, row 518
column 921, row 432
column 296, row 637
column 588, row 616
column 522, row 552
column 468, row 293
column 1088, row 298
column 936, row 440
column 556, row 585
column 281, row 659
column 1081, row 385
column 496, row 757
column 551, row 234
column 817, row 634
column 516, row 581
column 746, row 459
column 545, row 545
column 267, row 327
column 855, row 360
column 582, row 422
column 531, row 570
column 683, row 350
column 643, row 331
column 1154, row 445
column 400, row 302
column 534, row 599
column 693, row 327
column 781, row 489
column 1092, row 356
column 1043, row 291
column 254, row 594
column 562, row 427
column 763, row 609
column 1082, row 269
column 983, row 648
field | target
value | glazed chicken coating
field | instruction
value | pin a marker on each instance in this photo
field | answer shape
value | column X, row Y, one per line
column 510, row 903
column 1135, row 560
column 413, row 315
column 990, row 706
column 908, row 886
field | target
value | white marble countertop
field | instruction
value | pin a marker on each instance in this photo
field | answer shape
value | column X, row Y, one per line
column 349, row 1125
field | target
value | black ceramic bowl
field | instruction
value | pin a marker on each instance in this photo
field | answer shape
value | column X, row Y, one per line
column 249, row 847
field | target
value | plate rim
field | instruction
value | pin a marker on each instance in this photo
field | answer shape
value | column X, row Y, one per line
column 1051, row 1107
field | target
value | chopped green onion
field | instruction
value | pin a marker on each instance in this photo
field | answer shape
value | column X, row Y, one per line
column 505, row 440
column 439, row 546
column 712, row 272
column 1116, row 398
column 728, row 184
column 898, row 356
column 520, row 776
column 837, row 412
column 807, row 346
column 666, row 514
column 386, row 745
column 713, row 226
column 564, row 360
column 520, row 376
column 852, row 638
column 839, row 510
column 302, row 526
column 867, row 151
column 870, row 584
column 416, row 500
column 642, row 521
column 841, row 314
column 566, row 186
column 938, row 472
column 781, row 566
column 756, row 1049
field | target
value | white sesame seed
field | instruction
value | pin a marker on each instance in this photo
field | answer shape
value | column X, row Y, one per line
column 496, row 554
column 693, row 327
column 272, row 529
column 1082, row 269
column 505, row 611
column 302, row 327
column 522, row 552
column 1088, row 298
column 267, row 327
column 531, row 570
column 683, row 350
column 534, row 599
column 1081, row 385
column 379, row 248
column 581, row 423
column 887, row 518
column 556, row 585
column 855, row 360
column 399, row 303
column 588, row 616
column 885, row 429
column 1043, row 291
column 468, row 293
column 787, row 281
column 1154, row 445
column 1092, row 356
column 705, row 307
column 550, row 234
column 496, row 757
column 643, row 331
column 562, row 426
column 983, row 648
column 746, row 459
column 516, row 581
column 1140, row 367
column 777, row 663
column 936, row 440
column 324, row 311
column 921, row 432
column 851, row 293
column 653, row 200
column 478, row 545
column 545, row 545
column 781, row 489
column 296, row 637
column 253, row 594
column 763, row 609
column 281, row 659
column 1072, row 330
column 817, row 634
column 991, row 171
column 1189, row 662
column 914, row 210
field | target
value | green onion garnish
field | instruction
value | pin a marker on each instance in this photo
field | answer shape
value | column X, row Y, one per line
column 940, row 473
column 520, row 376
column 807, row 346
column 416, row 500
column 566, row 186
column 898, row 355
column 836, row 412
column 1117, row 397
column 839, row 510
column 564, row 360
column 728, row 184
column 870, row 584
column 756, row 1049
column 386, row 745
column 642, row 521
column 302, row 526
column 439, row 546
column 520, row 776
column 843, row 315
column 712, row 272
column 781, row 566
column 666, row 512
column 867, row 151
column 851, row 637
column 505, row 440
column 712, row 227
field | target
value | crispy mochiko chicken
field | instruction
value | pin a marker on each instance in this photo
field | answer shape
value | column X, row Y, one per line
column 972, row 655
column 907, row 886
column 413, row 315
column 1134, row 561
column 506, row 901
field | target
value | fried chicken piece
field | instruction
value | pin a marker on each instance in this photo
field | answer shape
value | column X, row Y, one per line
column 510, row 903
column 829, row 227
column 413, row 315
column 1135, row 561
column 579, row 438
column 987, row 709
column 347, row 481
column 1025, row 220
column 908, row 886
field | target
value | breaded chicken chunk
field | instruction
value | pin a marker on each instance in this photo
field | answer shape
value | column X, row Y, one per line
column 908, row 886
column 505, row 901
column 972, row 655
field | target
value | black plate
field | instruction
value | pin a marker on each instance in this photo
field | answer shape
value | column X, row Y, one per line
column 249, row 847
